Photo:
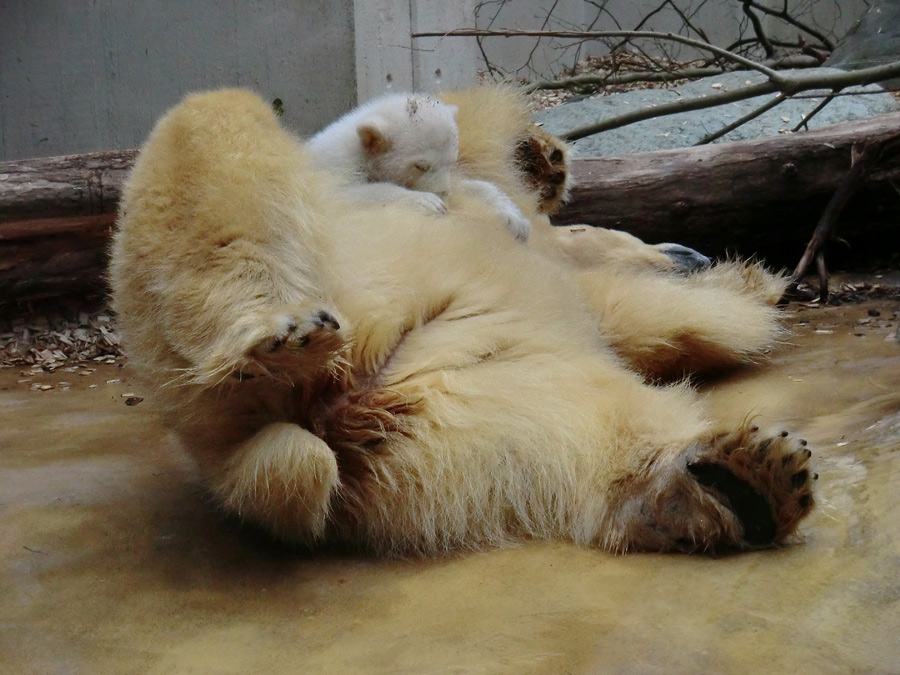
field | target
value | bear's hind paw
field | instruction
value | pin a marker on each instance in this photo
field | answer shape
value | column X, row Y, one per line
column 764, row 480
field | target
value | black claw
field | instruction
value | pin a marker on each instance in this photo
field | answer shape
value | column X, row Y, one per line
column 802, row 441
column 754, row 429
column 784, row 434
column 815, row 476
column 323, row 318
column 808, row 454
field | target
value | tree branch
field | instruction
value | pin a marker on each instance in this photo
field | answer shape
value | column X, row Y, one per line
column 728, row 128
column 643, row 34
column 863, row 161
column 613, row 77
column 758, row 28
column 804, row 123
column 787, row 87
column 787, row 18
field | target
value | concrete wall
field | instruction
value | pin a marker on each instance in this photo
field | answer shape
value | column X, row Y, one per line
column 388, row 60
column 88, row 75
column 720, row 19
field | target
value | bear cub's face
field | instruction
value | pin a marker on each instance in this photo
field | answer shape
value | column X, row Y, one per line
column 416, row 147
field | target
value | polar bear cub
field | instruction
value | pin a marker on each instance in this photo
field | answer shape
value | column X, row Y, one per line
column 405, row 147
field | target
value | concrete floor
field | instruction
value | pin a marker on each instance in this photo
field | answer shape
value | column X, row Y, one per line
column 113, row 561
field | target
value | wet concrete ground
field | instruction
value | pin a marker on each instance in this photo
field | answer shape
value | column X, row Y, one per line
column 112, row 561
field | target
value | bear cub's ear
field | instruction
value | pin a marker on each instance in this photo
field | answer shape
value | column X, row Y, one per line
column 373, row 140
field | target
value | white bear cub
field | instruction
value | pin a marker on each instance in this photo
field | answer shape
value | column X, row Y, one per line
column 405, row 147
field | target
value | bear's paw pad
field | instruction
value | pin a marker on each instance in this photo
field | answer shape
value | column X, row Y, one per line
column 764, row 480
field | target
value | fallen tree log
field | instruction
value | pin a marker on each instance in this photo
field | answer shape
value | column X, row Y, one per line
column 762, row 196
column 56, row 216
column 759, row 197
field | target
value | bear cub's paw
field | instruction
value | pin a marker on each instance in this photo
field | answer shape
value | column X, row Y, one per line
column 428, row 202
column 515, row 221
column 764, row 480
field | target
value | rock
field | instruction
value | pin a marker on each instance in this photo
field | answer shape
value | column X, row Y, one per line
column 874, row 41
column 685, row 129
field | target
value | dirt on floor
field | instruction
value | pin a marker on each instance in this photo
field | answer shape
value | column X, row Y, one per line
column 114, row 561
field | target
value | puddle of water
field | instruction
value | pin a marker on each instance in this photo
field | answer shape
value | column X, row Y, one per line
column 115, row 562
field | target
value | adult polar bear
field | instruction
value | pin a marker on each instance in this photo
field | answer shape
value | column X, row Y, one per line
column 356, row 373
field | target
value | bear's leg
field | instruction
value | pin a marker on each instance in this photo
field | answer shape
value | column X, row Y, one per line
column 667, row 327
column 284, row 478
column 738, row 490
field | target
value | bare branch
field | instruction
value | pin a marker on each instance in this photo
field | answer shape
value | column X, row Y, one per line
column 804, row 123
column 787, row 86
column 479, row 41
column 688, row 23
column 760, row 89
column 752, row 115
column 612, row 77
column 787, row 18
column 773, row 75
column 758, row 28
column 649, row 15
column 543, row 27
column 863, row 161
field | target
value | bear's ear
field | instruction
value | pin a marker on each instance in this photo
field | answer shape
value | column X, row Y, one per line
column 373, row 140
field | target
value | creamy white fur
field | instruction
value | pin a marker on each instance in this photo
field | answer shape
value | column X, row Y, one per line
column 350, row 372
column 404, row 147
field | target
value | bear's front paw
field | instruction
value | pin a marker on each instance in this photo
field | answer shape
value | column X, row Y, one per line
column 296, row 331
column 295, row 337
column 764, row 480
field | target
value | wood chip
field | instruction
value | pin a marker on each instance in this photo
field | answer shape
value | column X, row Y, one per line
column 59, row 337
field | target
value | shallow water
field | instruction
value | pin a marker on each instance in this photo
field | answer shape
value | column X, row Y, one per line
column 114, row 562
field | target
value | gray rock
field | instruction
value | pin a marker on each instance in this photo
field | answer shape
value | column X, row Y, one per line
column 685, row 129
column 874, row 41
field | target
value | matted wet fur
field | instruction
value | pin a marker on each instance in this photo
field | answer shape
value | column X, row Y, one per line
column 412, row 385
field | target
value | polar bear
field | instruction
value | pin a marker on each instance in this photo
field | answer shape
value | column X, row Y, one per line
column 405, row 147
column 414, row 390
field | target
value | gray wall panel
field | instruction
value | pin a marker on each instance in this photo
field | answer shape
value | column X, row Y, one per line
column 88, row 75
